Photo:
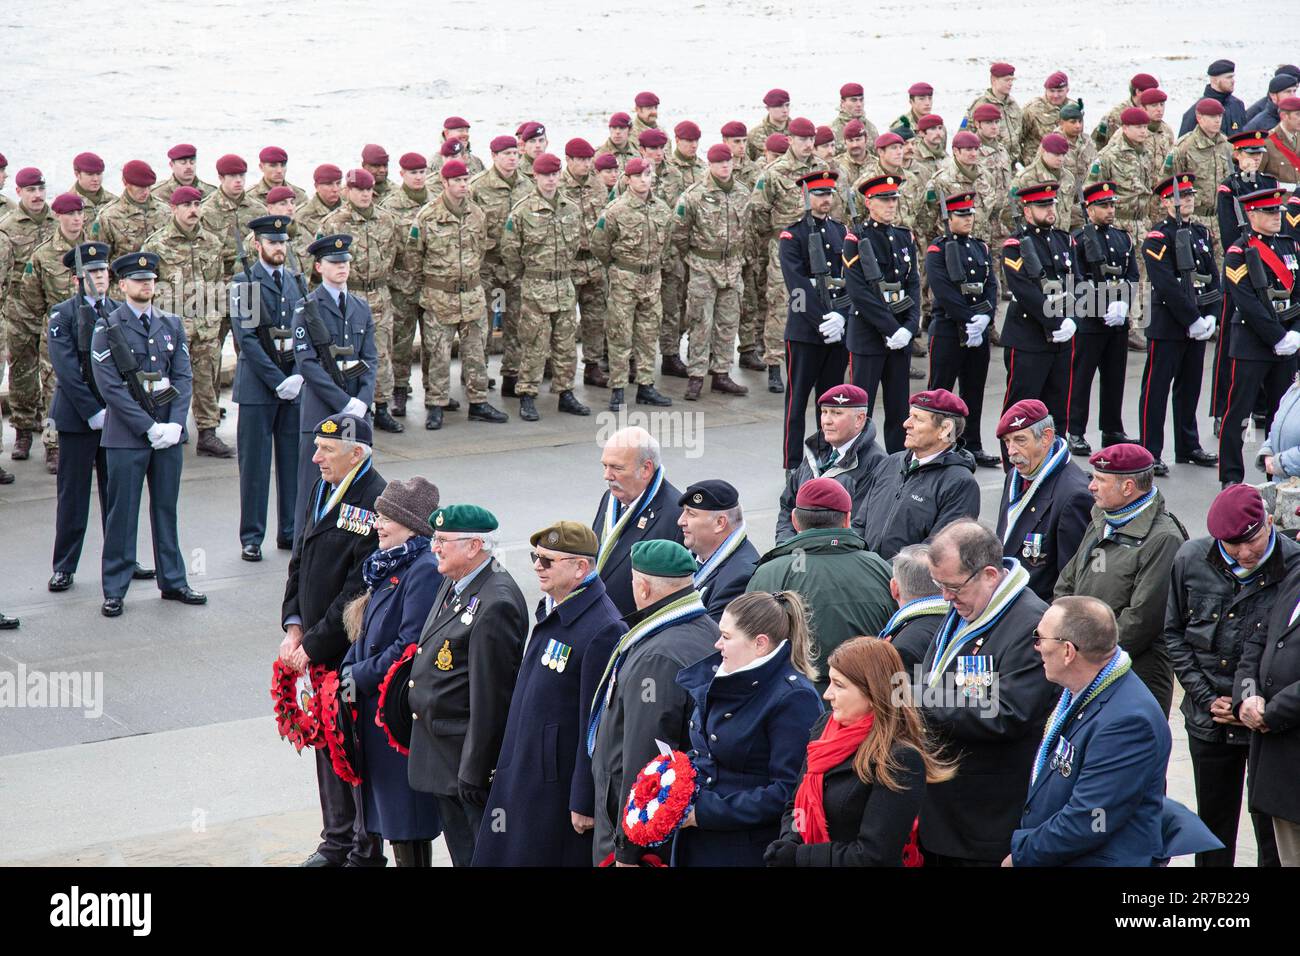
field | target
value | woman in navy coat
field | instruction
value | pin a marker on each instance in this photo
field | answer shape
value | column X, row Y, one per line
column 403, row 582
column 754, row 705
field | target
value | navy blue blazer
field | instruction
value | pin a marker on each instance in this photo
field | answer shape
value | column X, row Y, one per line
column 74, row 403
column 256, row 374
column 162, row 349
column 660, row 515
column 730, row 579
column 320, row 397
column 1060, row 511
column 1121, row 745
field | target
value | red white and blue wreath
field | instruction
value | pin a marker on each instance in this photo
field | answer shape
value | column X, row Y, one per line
column 661, row 798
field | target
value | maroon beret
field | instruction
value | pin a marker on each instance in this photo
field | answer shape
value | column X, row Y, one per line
column 853, row 129
column 620, row 120
column 965, row 139
column 646, row 98
column 1143, row 81
column 719, row 153
column 986, row 112
column 531, row 130
column 579, row 148
column 1056, row 81
column 929, row 121
column 453, row 169
column 636, row 166
column 686, row 130
column 1122, row 459
column 412, row 161
column 1288, row 104
column 87, row 163
column 454, row 146
column 1134, row 116
column 68, row 202
column 360, row 179
column 1026, row 412
column 327, row 173
column 733, row 129
column 1055, row 143
column 776, row 97
column 888, row 139
column 278, row 194
column 182, row 151
column 138, row 173
column 501, row 143
column 802, row 126
column 844, row 396
column 606, row 161
column 1209, row 107
column 823, row 136
column 455, row 122
column 1002, row 69
column 1236, row 514
column 28, row 176
column 547, row 163
column 823, row 494
column 939, row 400
column 184, row 194
column 850, row 89
column 4, row 163
column 653, row 138
column 272, row 154
column 374, row 154
column 1153, row 95
column 777, row 143
column 231, row 165
column 920, row 89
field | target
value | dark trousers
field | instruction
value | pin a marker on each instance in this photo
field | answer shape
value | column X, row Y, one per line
column 953, row 364
column 1245, row 378
column 1180, row 363
column 79, row 457
column 308, row 474
column 460, row 823
column 938, row 859
column 1223, row 374
column 1218, row 771
column 1106, row 353
column 885, row 374
column 812, row 369
column 128, row 470
column 266, row 432
column 343, row 836
column 1041, row 375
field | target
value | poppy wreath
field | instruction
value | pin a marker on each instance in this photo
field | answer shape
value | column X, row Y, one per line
column 297, row 720
column 647, row 860
column 328, row 693
column 383, row 694
column 660, row 799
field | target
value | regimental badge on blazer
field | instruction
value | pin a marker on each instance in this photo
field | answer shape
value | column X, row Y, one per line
column 354, row 519
column 556, row 655
column 443, row 660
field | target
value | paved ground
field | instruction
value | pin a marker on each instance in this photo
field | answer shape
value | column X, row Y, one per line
column 183, row 764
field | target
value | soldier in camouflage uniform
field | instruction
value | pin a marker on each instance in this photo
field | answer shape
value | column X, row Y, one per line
column 631, row 239
column 646, row 114
column 1049, row 165
column 453, row 128
column 996, row 161
column 189, row 285
column 447, row 241
column 495, row 191
column 777, row 120
column 890, row 150
column 1110, row 124
column 183, row 160
column 1079, row 157
column 920, row 102
column 854, row 162
column 328, row 180
column 6, row 204
column 376, row 239
column 272, row 161
column 1041, row 115
column 539, row 245
column 851, row 109
column 619, row 142
column 679, row 172
column 532, row 143
column 824, row 148
column 1159, row 144
column 1206, row 152
column 753, row 292
column 606, row 167
column 374, row 160
column 1002, row 77
column 962, row 172
column 126, row 221
column 88, row 169
column 711, row 233
column 404, row 284
column 585, row 190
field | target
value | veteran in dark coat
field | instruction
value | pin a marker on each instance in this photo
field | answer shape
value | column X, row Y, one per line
column 543, row 788
column 921, row 609
column 464, row 673
column 713, row 527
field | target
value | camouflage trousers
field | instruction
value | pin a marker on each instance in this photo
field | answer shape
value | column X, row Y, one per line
column 712, row 318
column 436, row 359
column 201, row 337
column 31, row 376
column 406, row 317
column 381, row 310
column 545, row 334
column 753, row 303
column 632, row 325
column 778, row 302
column 504, row 296
column 672, row 294
column 592, row 306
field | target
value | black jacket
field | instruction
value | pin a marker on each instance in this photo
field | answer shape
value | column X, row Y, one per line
column 806, row 310
column 872, row 322
column 462, row 680
column 1209, row 619
column 1031, row 319
column 1177, row 300
column 1120, row 250
column 729, row 581
column 1060, row 511
column 953, row 308
column 868, row 824
column 1234, row 112
column 901, row 507
column 853, row 472
column 913, row 640
column 1265, row 118
column 659, row 515
column 325, row 569
column 1234, row 186
column 1256, row 328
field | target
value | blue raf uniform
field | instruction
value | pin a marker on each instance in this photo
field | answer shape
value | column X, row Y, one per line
column 350, row 327
column 879, row 353
column 142, row 444
column 815, row 357
column 266, row 390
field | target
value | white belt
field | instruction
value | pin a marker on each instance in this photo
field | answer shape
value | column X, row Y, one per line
column 349, row 364
column 284, row 345
column 159, row 385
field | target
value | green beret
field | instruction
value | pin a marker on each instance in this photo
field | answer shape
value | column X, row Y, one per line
column 463, row 518
column 663, row 559
column 1072, row 111
column 570, row 537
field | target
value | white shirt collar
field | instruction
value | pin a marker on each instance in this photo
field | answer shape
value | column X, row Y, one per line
column 753, row 665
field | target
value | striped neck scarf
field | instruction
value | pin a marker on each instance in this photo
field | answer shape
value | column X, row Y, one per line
column 1068, row 705
column 341, row 489
column 1243, row 575
column 685, row 608
column 719, row 557
column 617, row 517
column 1022, row 490
column 551, row 604
column 1118, row 519
column 954, row 634
column 920, row 607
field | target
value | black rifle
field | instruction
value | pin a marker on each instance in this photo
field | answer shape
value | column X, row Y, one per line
column 830, row 290
column 1185, row 257
column 875, row 279
column 85, row 319
column 267, row 331
column 135, row 379
column 327, row 353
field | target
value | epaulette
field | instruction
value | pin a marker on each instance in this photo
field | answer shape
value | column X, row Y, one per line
column 1155, row 234
column 848, row 235
column 1234, row 248
column 933, row 248
column 1009, row 242
column 786, row 234
column 1223, row 188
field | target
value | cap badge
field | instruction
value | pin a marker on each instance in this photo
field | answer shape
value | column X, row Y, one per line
column 553, row 537
column 329, row 427
column 698, row 498
column 1017, row 422
column 438, row 520
column 1103, row 462
column 143, row 262
column 338, row 243
column 278, row 224
column 840, row 399
column 889, row 180
column 92, row 251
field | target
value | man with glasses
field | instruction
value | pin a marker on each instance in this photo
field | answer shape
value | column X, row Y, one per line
column 464, row 671
column 543, row 786
column 984, row 696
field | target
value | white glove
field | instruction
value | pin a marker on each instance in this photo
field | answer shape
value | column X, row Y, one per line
column 974, row 340
column 1116, row 313
column 155, row 435
column 96, row 421
column 899, row 339
column 289, row 388
column 832, row 327
column 1201, row 329
column 1289, row 345
column 170, row 434
column 976, row 326
column 1065, row 332
column 355, row 407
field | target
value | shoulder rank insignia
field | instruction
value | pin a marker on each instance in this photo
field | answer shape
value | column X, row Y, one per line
column 932, row 248
column 1223, row 188
column 1157, row 255
column 443, row 660
column 1155, row 234
column 1010, row 242
column 786, row 234
column 850, row 237
column 1237, row 274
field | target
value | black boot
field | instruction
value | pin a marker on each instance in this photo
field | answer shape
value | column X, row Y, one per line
column 406, row 853
column 752, row 360
column 1077, row 445
column 528, row 408
column 774, row 383
column 508, row 386
column 399, row 402
column 386, row 422
column 483, row 412
column 432, row 422
column 616, row 399
column 674, row 366
column 649, row 395
column 571, row 406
